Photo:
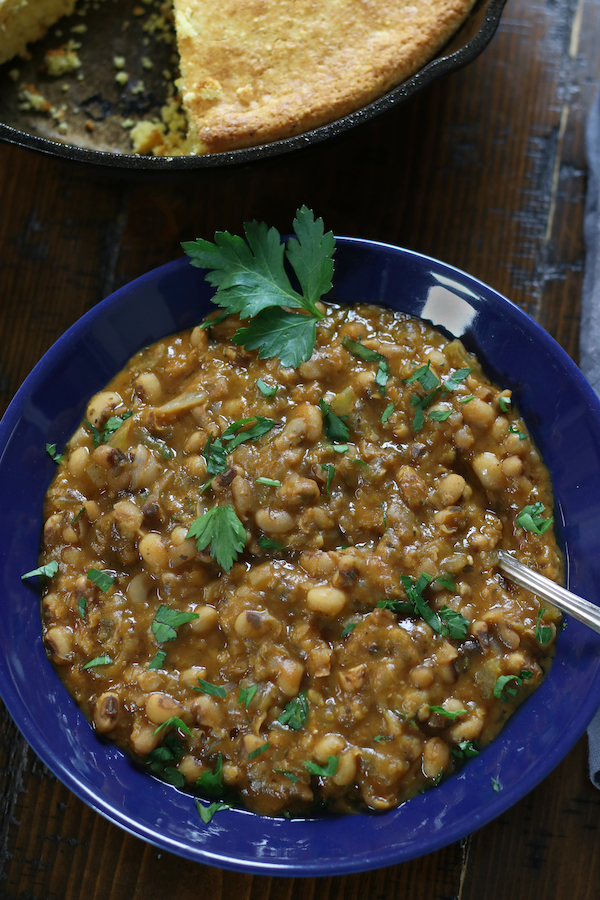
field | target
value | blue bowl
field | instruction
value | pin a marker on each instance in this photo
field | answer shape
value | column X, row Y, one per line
column 562, row 413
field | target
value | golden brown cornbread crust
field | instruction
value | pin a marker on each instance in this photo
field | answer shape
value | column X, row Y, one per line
column 261, row 70
column 22, row 22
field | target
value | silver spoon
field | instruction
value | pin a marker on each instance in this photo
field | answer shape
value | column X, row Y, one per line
column 545, row 589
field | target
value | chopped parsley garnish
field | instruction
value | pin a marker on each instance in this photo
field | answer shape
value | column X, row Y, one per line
column 455, row 623
column 215, row 455
column 348, row 629
column 514, row 430
column 387, row 413
column 452, row 714
column 383, row 515
column 439, row 415
column 330, row 469
column 504, row 403
column 211, row 783
column 295, row 713
column 254, row 753
column 46, row 571
column 359, row 349
column 207, row 812
column 434, row 389
column 161, row 760
column 447, row 622
column 293, row 778
column 323, row 771
column 466, row 399
column 465, row 750
column 266, row 389
column 167, row 621
column 531, row 519
column 173, row 722
column 113, row 424
column 236, row 433
column 53, row 453
column 507, row 686
column 103, row 660
column 206, row 687
column 496, row 784
column 269, row 482
column 543, row 633
column 251, row 281
column 158, row 660
column 81, row 603
column 335, row 427
column 446, row 581
column 101, row 579
column 247, row 694
column 266, row 543
column 220, row 530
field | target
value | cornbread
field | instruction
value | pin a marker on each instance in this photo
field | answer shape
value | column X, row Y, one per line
column 260, row 70
column 358, row 643
column 22, row 22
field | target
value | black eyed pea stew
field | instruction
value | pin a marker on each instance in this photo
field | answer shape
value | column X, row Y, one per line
column 281, row 582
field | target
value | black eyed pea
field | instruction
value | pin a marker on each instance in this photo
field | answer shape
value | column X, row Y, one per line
column 288, row 676
column 207, row 711
column 183, row 552
column 144, row 738
column 128, row 519
column 274, row 521
column 478, row 413
column 191, row 768
column 330, row 745
column 106, row 711
column 101, row 407
column 436, row 758
column 254, row 624
column 139, row 588
column 351, row 680
column 488, row 469
column 347, row 769
column 154, row 553
column 208, row 618
column 189, row 677
column 160, row 707
column 60, row 638
column 328, row 601
column 450, row 489
column 148, row 388
column 78, row 461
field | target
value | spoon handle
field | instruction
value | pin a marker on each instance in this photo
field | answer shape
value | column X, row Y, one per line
column 545, row 589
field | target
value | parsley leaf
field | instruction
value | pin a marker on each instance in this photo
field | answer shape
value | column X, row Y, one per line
column 167, row 620
column 103, row 660
column 53, row 453
column 247, row 694
column 504, row 403
column 215, row 455
column 266, row 543
column 324, row 771
column 295, row 712
column 266, row 389
column 206, row 687
column 254, row 753
column 46, row 571
column 101, row 579
column 268, row 482
column 293, row 778
column 330, row 469
column 387, row 413
column 252, row 281
column 449, row 714
column 221, row 530
column 173, row 721
column 543, row 633
column 531, row 519
column 158, row 660
column 504, row 688
column 465, row 750
column 456, row 625
column 335, row 428
column 274, row 332
column 358, row 349
column 211, row 783
column 207, row 812
column 236, row 434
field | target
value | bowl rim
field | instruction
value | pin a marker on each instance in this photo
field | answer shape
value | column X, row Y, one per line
column 498, row 803
column 439, row 66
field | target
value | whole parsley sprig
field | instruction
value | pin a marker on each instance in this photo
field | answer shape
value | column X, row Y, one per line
column 252, row 281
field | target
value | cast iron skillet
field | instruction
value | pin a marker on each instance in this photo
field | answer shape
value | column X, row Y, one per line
column 107, row 148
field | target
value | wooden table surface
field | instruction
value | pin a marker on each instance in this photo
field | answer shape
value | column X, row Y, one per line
column 484, row 170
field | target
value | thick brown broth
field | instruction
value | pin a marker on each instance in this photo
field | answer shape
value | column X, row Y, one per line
column 332, row 684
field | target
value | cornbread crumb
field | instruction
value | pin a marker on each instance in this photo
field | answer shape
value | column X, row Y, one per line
column 64, row 59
